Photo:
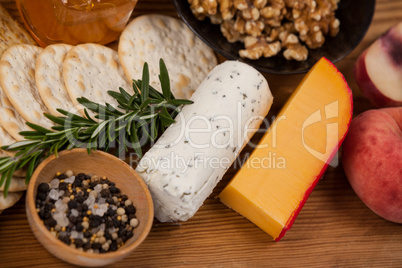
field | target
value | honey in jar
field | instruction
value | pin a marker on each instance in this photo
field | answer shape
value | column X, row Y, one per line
column 75, row 21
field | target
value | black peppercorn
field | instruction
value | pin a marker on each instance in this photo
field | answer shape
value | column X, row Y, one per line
column 78, row 243
column 113, row 246
column 96, row 246
column 96, row 221
column 72, row 204
column 84, row 207
column 105, row 193
column 50, row 222
column 80, row 199
column 47, row 215
column 108, row 236
column 116, row 223
column 130, row 209
column 109, row 223
column 77, row 183
column 87, row 246
column 65, row 239
column 114, row 190
column 62, row 176
column 111, row 212
column 73, row 219
column 80, row 176
column 110, row 200
column 63, row 186
column 41, row 196
column 43, row 187
column 79, row 227
column 87, row 234
column 122, row 232
column 41, row 213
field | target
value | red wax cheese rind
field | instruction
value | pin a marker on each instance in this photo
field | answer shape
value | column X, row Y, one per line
column 275, row 182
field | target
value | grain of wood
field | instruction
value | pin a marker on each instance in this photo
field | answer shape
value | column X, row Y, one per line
column 334, row 229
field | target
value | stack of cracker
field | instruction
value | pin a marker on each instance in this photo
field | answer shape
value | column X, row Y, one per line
column 34, row 81
column 11, row 33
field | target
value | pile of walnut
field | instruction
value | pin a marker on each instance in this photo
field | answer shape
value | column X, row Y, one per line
column 268, row 26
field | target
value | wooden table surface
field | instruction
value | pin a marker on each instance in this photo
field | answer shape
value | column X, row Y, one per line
column 334, row 228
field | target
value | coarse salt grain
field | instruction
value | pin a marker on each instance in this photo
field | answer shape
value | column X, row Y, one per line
column 61, row 219
column 70, row 179
column 74, row 234
column 54, row 183
column 98, row 188
column 90, row 200
column 54, row 194
column 74, row 212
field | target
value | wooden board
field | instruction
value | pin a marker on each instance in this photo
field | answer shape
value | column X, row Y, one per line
column 333, row 229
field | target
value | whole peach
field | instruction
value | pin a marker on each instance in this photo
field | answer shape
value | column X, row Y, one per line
column 372, row 160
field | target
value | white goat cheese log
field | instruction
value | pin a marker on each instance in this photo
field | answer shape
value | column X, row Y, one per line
column 193, row 154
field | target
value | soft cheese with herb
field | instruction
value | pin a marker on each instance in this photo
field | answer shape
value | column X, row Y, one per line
column 193, row 154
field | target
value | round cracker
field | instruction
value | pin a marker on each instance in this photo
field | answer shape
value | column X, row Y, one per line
column 10, row 200
column 11, row 31
column 49, row 78
column 17, row 77
column 16, row 185
column 151, row 37
column 90, row 71
column 10, row 119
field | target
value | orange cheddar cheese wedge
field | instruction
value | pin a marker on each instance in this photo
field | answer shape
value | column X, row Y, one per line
column 275, row 182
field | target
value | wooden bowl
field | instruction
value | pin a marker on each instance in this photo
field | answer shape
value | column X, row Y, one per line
column 100, row 164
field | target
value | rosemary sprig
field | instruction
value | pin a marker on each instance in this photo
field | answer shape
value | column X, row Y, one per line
column 139, row 119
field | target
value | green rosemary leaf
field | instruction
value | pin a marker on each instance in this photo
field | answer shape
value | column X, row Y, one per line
column 111, row 133
column 102, row 138
column 38, row 128
column 164, row 79
column 32, row 164
column 90, row 130
column 100, row 127
column 124, row 93
column 58, row 120
column 30, row 133
column 20, row 144
column 135, row 88
column 39, row 137
column 154, row 129
column 3, row 178
column 117, row 95
column 145, row 83
column 92, row 106
column 71, row 146
column 132, row 103
column 88, row 116
column 134, row 140
column 5, row 167
column 25, row 161
column 145, row 104
column 62, row 132
column 4, row 160
column 10, row 173
column 73, row 117
column 145, row 117
column 176, row 102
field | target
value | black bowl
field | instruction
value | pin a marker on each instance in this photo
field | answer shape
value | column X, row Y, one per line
column 354, row 15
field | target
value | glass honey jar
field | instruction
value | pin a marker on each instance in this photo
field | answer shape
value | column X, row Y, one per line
column 75, row 21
